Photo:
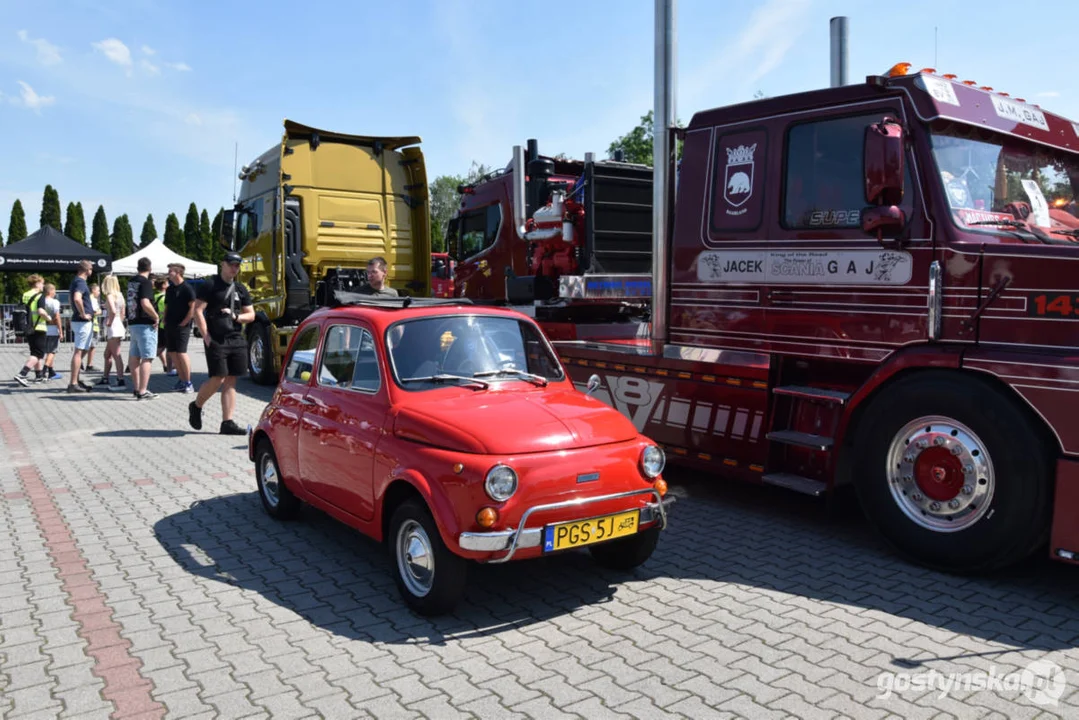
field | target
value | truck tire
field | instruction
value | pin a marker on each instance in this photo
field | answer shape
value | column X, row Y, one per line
column 430, row 578
column 953, row 474
column 260, row 355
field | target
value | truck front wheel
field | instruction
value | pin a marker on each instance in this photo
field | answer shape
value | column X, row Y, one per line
column 952, row 473
column 260, row 354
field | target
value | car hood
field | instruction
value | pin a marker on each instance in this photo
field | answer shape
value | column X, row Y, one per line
column 508, row 423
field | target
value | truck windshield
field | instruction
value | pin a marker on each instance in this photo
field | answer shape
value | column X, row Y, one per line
column 435, row 351
column 994, row 182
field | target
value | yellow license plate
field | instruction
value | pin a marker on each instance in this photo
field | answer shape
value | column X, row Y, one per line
column 586, row 532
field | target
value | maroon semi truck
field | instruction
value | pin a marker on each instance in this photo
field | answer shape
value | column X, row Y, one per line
column 874, row 284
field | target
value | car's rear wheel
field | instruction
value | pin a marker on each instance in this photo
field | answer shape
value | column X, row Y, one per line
column 277, row 499
column 430, row 578
column 626, row 553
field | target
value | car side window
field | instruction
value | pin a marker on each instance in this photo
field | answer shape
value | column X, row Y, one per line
column 302, row 360
column 349, row 359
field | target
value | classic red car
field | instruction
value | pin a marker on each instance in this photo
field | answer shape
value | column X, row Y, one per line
column 452, row 433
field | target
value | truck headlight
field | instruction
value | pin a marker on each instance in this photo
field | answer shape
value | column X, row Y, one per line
column 500, row 483
column 652, row 462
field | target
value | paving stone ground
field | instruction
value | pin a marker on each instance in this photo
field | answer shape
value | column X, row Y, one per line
column 139, row 577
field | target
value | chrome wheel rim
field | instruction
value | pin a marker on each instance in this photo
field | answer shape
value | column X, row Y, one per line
column 940, row 474
column 255, row 354
column 271, row 490
column 415, row 558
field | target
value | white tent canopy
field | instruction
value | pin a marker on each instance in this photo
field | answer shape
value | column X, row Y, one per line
column 160, row 257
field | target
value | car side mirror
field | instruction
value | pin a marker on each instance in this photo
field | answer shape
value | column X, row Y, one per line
column 883, row 159
column 228, row 229
column 593, row 385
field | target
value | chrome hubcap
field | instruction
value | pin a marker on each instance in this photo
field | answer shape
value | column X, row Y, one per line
column 940, row 474
column 415, row 558
column 255, row 354
column 270, row 481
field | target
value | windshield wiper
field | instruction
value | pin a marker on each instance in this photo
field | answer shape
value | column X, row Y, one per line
column 531, row 377
column 445, row 378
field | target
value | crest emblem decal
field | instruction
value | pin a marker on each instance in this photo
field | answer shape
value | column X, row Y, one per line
column 738, row 178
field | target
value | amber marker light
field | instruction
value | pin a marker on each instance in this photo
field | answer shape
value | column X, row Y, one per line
column 899, row 69
column 487, row 517
column 661, row 487
column 457, row 468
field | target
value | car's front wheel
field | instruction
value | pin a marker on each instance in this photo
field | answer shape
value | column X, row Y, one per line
column 277, row 499
column 429, row 576
column 626, row 553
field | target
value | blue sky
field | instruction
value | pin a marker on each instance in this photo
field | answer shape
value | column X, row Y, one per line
column 137, row 104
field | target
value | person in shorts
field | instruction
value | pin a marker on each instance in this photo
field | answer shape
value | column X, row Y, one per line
column 36, row 342
column 222, row 307
column 82, row 323
column 179, row 314
column 95, row 303
column 53, row 326
column 142, row 322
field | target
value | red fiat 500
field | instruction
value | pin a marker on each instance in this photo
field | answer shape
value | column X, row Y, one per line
column 452, row 432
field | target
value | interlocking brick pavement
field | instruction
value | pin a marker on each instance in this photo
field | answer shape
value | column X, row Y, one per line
column 139, row 574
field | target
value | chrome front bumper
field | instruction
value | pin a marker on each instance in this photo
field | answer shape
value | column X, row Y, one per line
column 526, row 537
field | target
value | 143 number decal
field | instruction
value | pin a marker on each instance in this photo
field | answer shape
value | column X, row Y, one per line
column 1056, row 306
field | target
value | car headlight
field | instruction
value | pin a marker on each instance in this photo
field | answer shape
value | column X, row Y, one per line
column 652, row 461
column 500, row 483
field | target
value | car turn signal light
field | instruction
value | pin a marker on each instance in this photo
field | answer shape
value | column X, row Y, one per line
column 487, row 517
column 661, row 487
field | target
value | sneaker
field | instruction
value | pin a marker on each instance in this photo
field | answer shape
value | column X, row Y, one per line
column 145, row 396
column 74, row 389
column 188, row 389
column 22, row 380
column 119, row 385
column 172, row 373
column 231, row 428
column 54, row 376
column 194, row 415
column 90, row 368
column 85, row 386
column 40, row 379
column 103, row 382
column 179, row 386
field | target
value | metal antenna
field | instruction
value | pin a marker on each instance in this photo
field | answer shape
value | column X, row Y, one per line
column 935, row 46
column 235, row 159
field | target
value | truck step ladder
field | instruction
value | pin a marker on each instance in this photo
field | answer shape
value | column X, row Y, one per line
column 822, row 395
column 794, row 437
column 797, row 483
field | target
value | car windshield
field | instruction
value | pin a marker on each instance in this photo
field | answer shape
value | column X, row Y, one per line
column 469, row 349
column 997, row 183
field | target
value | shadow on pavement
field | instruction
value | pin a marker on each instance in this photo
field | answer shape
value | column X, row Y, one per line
column 724, row 544
column 341, row 580
column 146, row 433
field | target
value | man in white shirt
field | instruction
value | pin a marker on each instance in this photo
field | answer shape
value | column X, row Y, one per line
column 52, row 330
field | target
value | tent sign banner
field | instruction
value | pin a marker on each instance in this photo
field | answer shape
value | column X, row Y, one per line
column 17, row 262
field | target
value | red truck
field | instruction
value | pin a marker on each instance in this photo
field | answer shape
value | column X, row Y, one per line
column 874, row 284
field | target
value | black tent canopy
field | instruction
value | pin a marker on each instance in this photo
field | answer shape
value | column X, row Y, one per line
column 49, row 250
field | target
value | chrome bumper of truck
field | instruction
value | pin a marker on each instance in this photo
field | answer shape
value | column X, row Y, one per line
column 526, row 537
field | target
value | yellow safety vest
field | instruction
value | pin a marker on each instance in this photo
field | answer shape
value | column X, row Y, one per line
column 35, row 320
column 159, row 301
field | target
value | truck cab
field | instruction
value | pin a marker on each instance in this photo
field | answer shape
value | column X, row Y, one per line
column 873, row 285
column 311, row 212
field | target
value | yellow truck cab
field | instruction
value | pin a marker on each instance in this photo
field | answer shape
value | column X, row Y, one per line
column 311, row 212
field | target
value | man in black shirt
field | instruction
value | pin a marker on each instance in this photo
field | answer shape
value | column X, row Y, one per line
column 142, row 319
column 222, row 307
column 179, row 312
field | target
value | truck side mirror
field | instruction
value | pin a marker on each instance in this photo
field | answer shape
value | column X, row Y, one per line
column 451, row 237
column 883, row 153
column 593, row 385
column 228, row 232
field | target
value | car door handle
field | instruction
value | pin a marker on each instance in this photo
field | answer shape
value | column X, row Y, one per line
column 308, row 401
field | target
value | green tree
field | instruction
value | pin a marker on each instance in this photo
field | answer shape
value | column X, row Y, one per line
column 174, row 237
column 637, row 143
column 123, row 239
column 16, row 229
column 50, row 209
column 206, row 238
column 74, row 226
column 149, row 232
column 81, row 222
column 15, row 283
column 191, row 233
column 99, row 234
column 215, row 233
column 444, row 202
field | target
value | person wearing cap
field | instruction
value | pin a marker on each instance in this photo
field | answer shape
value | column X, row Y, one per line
column 222, row 307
